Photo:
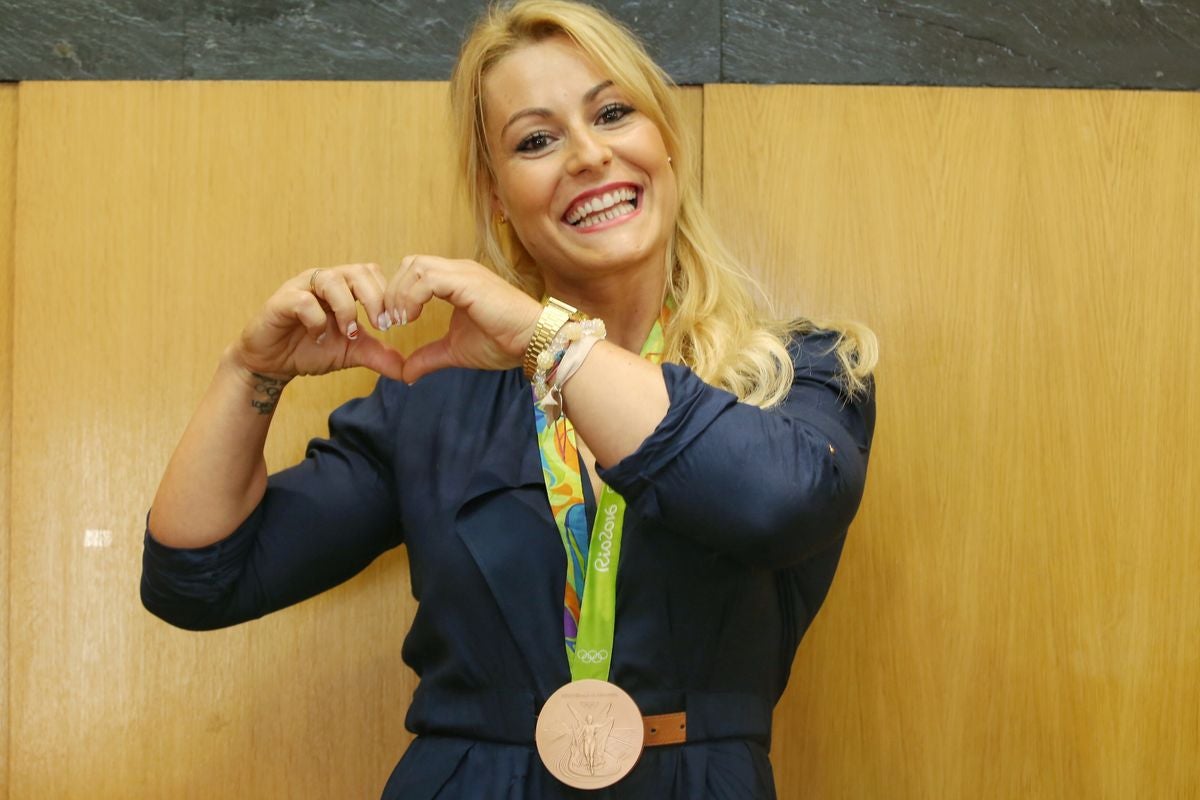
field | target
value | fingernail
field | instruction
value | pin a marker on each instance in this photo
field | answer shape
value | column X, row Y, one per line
column 384, row 322
column 352, row 330
column 395, row 317
column 321, row 338
column 404, row 316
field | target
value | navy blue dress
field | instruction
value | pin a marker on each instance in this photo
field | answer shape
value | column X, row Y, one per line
column 735, row 523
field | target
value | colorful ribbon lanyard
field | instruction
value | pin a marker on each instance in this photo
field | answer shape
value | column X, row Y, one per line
column 588, row 626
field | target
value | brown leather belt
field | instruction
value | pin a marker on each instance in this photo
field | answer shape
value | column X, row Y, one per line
column 665, row 729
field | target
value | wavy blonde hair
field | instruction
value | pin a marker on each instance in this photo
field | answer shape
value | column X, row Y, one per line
column 715, row 328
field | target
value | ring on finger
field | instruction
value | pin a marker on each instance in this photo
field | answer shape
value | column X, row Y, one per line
column 312, row 281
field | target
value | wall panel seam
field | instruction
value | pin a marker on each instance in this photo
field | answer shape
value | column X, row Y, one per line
column 700, row 144
column 7, row 344
column 720, row 43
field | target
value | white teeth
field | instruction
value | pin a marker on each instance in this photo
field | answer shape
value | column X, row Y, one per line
column 603, row 203
column 604, row 216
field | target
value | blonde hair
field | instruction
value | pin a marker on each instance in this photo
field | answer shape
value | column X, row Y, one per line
column 715, row 328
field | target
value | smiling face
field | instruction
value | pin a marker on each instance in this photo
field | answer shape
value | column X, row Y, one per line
column 581, row 175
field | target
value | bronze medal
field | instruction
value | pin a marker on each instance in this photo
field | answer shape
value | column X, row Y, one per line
column 589, row 734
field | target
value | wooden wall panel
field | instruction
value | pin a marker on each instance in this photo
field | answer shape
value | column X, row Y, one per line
column 154, row 219
column 1016, row 612
column 8, row 174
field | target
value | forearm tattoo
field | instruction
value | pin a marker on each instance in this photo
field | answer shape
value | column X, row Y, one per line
column 267, row 392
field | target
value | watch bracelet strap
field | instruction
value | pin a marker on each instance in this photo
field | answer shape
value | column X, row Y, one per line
column 555, row 314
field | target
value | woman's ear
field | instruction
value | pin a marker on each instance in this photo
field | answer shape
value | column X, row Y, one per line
column 498, row 209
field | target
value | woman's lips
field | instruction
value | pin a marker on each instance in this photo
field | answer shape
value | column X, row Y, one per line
column 604, row 210
column 623, row 214
column 600, row 199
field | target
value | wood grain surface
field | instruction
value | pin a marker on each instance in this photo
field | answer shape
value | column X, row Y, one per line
column 154, row 218
column 1016, row 613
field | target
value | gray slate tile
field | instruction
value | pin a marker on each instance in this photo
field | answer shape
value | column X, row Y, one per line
column 403, row 40
column 683, row 37
column 113, row 39
column 1076, row 43
column 307, row 39
column 1085, row 43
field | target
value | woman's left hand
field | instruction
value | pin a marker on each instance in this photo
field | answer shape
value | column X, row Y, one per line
column 492, row 320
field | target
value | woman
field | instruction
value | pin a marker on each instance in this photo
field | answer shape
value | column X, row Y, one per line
column 711, row 459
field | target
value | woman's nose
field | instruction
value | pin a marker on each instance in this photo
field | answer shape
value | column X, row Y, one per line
column 588, row 151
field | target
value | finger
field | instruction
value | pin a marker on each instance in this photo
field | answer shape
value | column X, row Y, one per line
column 426, row 359
column 394, row 293
column 308, row 311
column 423, row 278
column 435, row 277
column 383, row 320
column 418, row 292
column 286, row 309
column 306, row 279
column 331, row 287
column 365, row 283
column 377, row 356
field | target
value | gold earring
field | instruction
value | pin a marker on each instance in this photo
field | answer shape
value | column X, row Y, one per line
column 668, row 159
column 500, row 218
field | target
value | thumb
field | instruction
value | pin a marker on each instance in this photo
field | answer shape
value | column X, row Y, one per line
column 376, row 356
column 426, row 359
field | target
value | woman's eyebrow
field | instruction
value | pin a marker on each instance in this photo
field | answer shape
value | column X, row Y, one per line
column 595, row 90
column 588, row 97
column 526, row 112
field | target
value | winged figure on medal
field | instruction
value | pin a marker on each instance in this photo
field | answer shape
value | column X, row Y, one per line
column 589, row 741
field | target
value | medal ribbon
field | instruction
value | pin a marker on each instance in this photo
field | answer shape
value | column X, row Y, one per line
column 590, row 596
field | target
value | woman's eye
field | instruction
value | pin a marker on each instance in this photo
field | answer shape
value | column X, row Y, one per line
column 534, row 142
column 614, row 112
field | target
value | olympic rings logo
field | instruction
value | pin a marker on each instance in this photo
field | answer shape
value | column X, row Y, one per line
column 591, row 656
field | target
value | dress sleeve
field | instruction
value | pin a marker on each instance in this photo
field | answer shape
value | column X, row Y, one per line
column 769, row 487
column 319, row 523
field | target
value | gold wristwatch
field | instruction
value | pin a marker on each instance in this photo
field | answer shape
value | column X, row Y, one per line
column 555, row 314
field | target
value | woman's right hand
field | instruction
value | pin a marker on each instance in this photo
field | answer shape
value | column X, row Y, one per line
column 309, row 326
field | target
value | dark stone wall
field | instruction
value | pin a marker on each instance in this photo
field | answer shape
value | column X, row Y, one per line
column 1081, row 43
column 300, row 39
column 1069, row 43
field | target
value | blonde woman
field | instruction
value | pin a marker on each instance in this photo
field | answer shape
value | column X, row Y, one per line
column 606, row 402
